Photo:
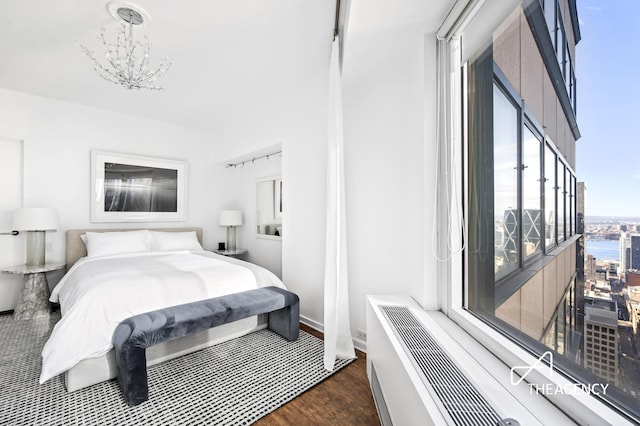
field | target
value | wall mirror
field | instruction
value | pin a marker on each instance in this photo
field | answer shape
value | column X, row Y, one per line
column 269, row 212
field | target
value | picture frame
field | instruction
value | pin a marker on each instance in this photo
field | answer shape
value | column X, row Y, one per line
column 277, row 202
column 269, row 207
column 132, row 188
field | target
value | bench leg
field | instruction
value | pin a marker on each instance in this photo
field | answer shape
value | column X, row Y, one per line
column 286, row 321
column 131, row 365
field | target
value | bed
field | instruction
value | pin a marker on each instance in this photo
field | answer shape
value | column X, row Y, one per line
column 104, row 287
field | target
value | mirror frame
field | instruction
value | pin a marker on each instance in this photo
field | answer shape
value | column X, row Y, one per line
column 258, row 181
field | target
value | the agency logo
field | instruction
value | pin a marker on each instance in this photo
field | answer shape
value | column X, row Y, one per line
column 545, row 364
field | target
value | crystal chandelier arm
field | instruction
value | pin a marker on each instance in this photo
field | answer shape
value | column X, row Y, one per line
column 144, row 61
column 152, row 76
column 130, row 49
column 97, row 66
column 125, row 50
column 113, row 57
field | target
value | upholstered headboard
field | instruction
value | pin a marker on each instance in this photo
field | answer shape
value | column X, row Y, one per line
column 75, row 248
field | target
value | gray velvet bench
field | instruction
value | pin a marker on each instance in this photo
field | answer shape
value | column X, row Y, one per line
column 134, row 335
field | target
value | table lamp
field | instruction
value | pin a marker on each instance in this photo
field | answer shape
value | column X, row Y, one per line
column 231, row 219
column 36, row 221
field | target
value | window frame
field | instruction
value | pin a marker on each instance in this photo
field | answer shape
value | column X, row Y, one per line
column 549, row 149
column 554, row 22
column 538, row 133
column 509, row 94
column 562, row 170
column 561, row 204
column 454, row 296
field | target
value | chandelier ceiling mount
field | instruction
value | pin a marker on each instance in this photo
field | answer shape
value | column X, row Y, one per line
column 126, row 62
column 130, row 16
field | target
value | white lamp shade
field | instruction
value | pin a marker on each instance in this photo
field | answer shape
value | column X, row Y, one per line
column 35, row 219
column 230, row 218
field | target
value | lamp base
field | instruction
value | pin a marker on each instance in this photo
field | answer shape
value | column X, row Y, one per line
column 35, row 248
column 231, row 238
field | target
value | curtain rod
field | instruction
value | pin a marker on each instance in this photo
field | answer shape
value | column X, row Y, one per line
column 253, row 159
column 335, row 28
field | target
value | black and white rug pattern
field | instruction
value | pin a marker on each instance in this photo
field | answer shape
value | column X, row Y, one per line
column 233, row 383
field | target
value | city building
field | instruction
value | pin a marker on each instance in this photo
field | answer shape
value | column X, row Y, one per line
column 601, row 339
column 590, row 268
column 632, row 277
column 629, row 251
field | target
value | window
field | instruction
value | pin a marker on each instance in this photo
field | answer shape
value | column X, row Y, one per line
column 555, row 22
column 550, row 187
column 549, row 7
column 521, row 185
column 516, row 185
column 521, row 265
column 505, row 165
column 562, row 217
column 531, row 201
column 518, row 196
column 560, row 42
column 572, row 205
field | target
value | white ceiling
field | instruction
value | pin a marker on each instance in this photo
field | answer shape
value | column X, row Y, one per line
column 228, row 56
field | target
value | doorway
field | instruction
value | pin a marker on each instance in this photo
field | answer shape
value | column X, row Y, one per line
column 11, row 247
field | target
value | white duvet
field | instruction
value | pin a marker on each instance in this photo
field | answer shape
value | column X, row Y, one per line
column 98, row 293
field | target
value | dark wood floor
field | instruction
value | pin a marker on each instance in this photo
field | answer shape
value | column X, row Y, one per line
column 343, row 399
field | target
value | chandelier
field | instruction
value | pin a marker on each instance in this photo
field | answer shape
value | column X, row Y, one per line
column 127, row 61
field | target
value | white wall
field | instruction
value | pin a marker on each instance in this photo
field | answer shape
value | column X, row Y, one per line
column 386, row 174
column 304, row 174
column 388, row 183
column 11, row 248
column 389, row 172
column 264, row 252
column 58, row 138
column 298, row 121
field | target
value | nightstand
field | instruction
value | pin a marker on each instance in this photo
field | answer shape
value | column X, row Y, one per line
column 237, row 253
column 33, row 300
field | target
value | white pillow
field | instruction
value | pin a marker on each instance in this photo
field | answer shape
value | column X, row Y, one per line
column 169, row 241
column 106, row 243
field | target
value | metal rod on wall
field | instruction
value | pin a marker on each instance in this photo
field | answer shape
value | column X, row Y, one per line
column 10, row 233
column 253, row 159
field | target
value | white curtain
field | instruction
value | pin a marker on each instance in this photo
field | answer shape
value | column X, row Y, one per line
column 337, row 328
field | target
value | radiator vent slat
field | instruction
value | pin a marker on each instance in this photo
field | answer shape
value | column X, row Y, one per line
column 460, row 399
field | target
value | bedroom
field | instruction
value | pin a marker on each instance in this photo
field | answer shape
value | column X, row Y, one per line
column 246, row 80
column 283, row 108
column 255, row 89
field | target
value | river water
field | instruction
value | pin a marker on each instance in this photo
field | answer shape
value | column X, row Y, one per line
column 603, row 249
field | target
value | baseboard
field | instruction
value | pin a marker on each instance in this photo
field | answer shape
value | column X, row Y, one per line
column 359, row 344
column 311, row 323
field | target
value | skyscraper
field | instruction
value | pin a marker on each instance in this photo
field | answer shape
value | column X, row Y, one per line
column 634, row 251
column 601, row 339
column 629, row 251
column 590, row 268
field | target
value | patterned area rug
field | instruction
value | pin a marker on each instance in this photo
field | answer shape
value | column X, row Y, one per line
column 233, row 383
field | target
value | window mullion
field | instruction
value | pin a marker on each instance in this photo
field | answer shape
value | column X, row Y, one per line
column 521, row 167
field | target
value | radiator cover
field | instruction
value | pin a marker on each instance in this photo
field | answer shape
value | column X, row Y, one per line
column 453, row 392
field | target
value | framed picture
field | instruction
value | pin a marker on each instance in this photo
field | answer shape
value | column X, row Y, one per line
column 129, row 188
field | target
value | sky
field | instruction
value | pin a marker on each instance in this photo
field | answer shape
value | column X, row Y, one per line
column 608, row 111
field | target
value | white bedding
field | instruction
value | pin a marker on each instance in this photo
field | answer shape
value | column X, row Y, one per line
column 99, row 292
